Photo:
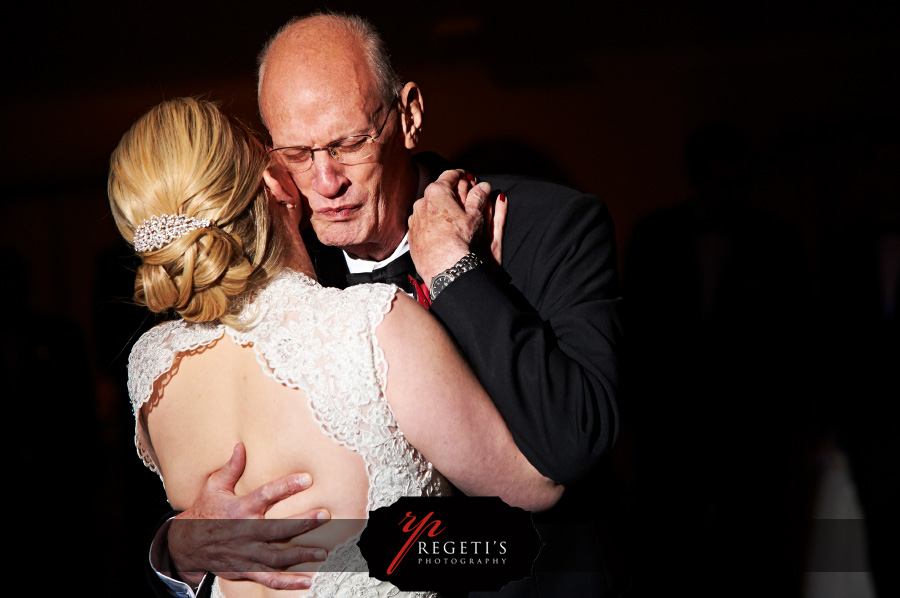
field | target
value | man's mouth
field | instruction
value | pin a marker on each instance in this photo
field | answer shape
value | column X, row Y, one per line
column 337, row 212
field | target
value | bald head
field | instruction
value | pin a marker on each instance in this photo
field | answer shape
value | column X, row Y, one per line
column 326, row 54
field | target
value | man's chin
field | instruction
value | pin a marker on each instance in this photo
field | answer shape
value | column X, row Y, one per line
column 342, row 235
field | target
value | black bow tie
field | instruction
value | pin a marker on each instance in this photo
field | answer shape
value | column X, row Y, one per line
column 396, row 272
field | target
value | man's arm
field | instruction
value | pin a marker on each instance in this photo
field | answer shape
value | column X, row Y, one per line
column 544, row 343
column 226, row 534
column 159, row 570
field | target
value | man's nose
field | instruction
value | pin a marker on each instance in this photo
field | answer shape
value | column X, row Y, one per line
column 328, row 178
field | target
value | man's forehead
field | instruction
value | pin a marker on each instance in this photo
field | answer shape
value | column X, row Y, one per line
column 311, row 124
column 305, row 103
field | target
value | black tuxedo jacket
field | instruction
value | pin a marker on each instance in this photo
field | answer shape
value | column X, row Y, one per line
column 542, row 336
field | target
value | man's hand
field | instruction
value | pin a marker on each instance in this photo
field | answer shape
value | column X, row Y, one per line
column 223, row 533
column 445, row 222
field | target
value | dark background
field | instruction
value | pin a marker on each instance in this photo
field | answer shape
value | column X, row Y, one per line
column 605, row 99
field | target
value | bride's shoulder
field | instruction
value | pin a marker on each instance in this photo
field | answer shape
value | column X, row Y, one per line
column 155, row 351
column 374, row 292
column 365, row 303
column 288, row 283
column 298, row 287
column 288, row 277
column 177, row 334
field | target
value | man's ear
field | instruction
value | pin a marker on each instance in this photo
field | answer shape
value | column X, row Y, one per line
column 412, row 113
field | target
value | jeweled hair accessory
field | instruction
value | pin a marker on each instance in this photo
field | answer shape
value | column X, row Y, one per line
column 161, row 230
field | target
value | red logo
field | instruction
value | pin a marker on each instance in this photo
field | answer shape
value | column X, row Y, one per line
column 415, row 533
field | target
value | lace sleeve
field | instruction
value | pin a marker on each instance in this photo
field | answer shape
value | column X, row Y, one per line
column 152, row 357
column 379, row 299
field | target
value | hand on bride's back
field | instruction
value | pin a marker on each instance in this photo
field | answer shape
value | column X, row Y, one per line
column 225, row 533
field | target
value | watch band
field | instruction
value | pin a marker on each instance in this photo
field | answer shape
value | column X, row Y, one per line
column 470, row 261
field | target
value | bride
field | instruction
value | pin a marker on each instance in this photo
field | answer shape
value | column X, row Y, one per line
column 361, row 388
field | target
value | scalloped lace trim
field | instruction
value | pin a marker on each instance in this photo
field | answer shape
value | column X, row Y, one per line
column 152, row 357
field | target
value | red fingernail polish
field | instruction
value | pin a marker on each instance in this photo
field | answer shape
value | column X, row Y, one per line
column 471, row 177
column 502, row 197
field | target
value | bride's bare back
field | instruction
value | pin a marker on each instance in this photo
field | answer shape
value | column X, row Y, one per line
column 219, row 397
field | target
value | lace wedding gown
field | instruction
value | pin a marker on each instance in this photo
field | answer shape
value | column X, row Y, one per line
column 321, row 341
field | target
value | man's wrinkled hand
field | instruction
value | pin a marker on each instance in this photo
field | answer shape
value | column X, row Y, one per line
column 227, row 534
column 445, row 222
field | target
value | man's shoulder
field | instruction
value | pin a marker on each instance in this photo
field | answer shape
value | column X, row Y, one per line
column 545, row 214
column 528, row 184
column 538, row 207
column 539, row 194
column 539, row 203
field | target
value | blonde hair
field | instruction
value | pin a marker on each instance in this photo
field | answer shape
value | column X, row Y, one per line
column 186, row 157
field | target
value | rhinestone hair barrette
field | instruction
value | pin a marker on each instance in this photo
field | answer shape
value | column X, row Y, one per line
column 161, row 230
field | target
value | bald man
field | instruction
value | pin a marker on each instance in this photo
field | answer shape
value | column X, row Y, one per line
column 541, row 333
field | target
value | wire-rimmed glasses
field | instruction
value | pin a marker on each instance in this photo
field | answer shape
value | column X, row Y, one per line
column 349, row 150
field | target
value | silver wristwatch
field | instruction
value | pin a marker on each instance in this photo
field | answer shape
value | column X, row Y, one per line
column 467, row 262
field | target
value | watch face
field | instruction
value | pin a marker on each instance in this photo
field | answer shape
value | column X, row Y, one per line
column 439, row 283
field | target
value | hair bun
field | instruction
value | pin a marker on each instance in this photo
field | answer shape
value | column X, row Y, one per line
column 197, row 275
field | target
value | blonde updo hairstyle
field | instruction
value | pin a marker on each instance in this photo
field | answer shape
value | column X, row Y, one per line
column 186, row 157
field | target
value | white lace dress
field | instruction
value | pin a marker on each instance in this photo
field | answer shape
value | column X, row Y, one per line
column 321, row 341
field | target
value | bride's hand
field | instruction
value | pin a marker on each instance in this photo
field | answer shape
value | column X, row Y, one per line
column 489, row 241
column 494, row 223
column 287, row 209
column 229, row 535
column 284, row 197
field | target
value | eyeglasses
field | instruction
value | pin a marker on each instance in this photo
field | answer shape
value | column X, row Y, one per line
column 349, row 150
